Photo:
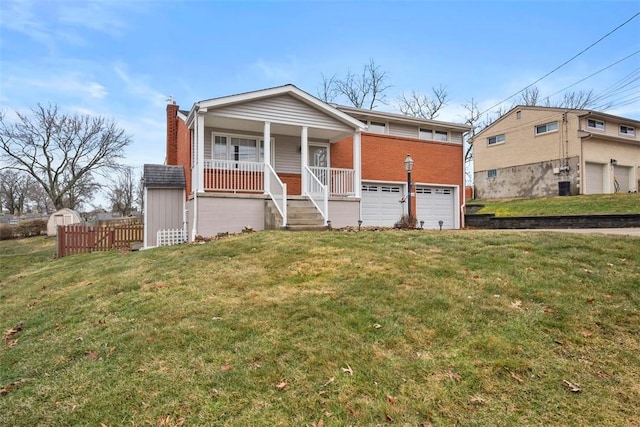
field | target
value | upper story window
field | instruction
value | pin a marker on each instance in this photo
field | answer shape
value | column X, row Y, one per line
column 498, row 139
column 378, row 127
column 627, row 130
column 547, row 127
column 595, row 124
column 518, row 114
column 434, row 135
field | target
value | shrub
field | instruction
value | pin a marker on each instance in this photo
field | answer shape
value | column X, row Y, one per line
column 32, row 228
column 407, row 222
column 6, row 231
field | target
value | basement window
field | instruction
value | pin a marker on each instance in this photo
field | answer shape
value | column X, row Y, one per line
column 492, row 173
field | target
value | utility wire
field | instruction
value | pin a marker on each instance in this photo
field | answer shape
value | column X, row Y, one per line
column 564, row 63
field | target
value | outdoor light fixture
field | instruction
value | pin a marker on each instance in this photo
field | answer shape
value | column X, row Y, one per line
column 614, row 162
column 359, row 224
column 440, row 224
column 408, row 165
column 421, row 224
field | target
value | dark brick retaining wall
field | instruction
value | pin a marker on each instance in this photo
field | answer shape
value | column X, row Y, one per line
column 555, row 221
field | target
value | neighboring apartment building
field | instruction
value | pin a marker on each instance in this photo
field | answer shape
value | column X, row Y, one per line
column 280, row 157
column 543, row 151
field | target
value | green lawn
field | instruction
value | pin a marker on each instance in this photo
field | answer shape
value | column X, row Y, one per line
column 567, row 205
column 413, row 328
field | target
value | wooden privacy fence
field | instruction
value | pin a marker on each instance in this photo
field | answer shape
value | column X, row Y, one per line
column 75, row 239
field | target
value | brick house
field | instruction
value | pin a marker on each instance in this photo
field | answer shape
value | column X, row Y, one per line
column 280, row 157
column 544, row 151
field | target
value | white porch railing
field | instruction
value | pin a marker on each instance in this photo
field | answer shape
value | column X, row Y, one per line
column 339, row 181
column 317, row 192
column 278, row 193
column 233, row 176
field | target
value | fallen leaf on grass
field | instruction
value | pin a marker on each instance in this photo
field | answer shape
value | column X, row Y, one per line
column 92, row 355
column 281, row 385
column 586, row 334
column 11, row 386
column 169, row 421
column 111, row 351
column 516, row 304
column 332, row 379
column 11, row 332
column 575, row 388
column 377, row 325
column 348, row 370
column 586, row 270
column 389, row 418
column 476, row 400
column 320, row 423
column 515, row 377
column 225, row 368
column 391, row 399
column 12, row 343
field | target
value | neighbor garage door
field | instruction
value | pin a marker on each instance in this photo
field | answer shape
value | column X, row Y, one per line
column 436, row 204
column 381, row 204
column 594, row 178
column 621, row 173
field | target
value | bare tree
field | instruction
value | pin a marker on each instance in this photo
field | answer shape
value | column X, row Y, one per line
column 420, row 105
column 362, row 91
column 570, row 100
column 61, row 151
column 123, row 192
column 15, row 187
column 529, row 97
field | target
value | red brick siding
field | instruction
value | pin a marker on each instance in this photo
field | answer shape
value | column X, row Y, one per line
column 342, row 154
column 293, row 181
column 172, row 132
column 184, row 150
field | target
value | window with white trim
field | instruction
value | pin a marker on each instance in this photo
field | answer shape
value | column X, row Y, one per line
column 433, row 135
column 546, row 128
column 426, row 134
column 378, row 127
column 238, row 148
column 595, row 124
column 498, row 139
column 492, row 173
column 627, row 130
column 441, row 135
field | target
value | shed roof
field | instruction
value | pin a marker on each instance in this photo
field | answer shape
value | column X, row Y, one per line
column 164, row 176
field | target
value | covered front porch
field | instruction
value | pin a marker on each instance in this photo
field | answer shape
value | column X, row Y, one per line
column 278, row 146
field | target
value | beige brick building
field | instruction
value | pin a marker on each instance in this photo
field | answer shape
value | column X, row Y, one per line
column 543, row 151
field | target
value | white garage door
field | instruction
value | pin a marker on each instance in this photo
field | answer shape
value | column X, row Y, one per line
column 381, row 204
column 594, row 178
column 436, row 204
column 621, row 173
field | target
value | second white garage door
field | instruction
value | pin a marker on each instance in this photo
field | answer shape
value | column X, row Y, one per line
column 381, row 204
column 594, row 179
column 436, row 204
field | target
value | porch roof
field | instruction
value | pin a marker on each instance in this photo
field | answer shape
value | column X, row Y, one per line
column 214, row 104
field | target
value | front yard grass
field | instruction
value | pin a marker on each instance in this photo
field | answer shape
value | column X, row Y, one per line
column 334, row 328
column 565, row 205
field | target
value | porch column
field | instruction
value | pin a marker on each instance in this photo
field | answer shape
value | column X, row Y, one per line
column 199, row 173
column 267, row 157
column 304, row 157
column 357, row 164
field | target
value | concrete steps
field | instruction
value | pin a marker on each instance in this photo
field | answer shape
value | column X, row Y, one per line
column 302, row 215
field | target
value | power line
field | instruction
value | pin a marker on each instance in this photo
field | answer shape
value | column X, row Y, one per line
column 564, row 63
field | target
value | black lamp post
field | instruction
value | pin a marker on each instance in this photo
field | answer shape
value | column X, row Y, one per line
column 408, row 165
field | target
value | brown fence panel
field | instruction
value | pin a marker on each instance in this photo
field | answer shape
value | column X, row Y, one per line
column 75, row 239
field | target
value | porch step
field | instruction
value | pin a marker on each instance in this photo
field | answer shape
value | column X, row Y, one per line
column 302, row 214
column 306, row 228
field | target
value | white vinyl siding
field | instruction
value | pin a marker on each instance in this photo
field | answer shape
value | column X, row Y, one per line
column 455, row 137
column 286, row 157
column 282, row 109
column 398, row 129
column 377, row 127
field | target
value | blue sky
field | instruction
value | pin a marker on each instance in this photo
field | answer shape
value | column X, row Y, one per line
column 123, row 58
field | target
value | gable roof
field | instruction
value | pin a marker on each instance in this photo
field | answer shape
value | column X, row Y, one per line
column 577, row 112
column 288, row 89
column 164, row 176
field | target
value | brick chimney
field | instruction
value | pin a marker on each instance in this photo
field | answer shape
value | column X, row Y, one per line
column 172, row 132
